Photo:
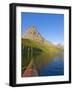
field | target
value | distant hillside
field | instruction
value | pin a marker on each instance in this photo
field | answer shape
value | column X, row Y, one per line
column 60, row 46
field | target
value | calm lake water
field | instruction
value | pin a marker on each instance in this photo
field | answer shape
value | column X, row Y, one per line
column 42, row 64
column 53, row 68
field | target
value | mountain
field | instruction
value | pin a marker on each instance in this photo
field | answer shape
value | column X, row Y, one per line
column 60, row 46
column 33, row 38
column 33, row 34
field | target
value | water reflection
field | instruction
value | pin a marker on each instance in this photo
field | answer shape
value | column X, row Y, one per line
column 54, row 68
column 37, row 63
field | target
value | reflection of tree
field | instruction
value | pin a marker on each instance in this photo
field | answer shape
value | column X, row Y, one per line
column 28, row 53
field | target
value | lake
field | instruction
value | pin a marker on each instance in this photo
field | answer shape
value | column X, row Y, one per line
column 43, row 64
column 53, row 68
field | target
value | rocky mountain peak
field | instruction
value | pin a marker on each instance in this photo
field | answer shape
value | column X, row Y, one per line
column 32, row 34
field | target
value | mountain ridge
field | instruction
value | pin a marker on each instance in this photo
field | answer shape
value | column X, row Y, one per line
column 33, row 34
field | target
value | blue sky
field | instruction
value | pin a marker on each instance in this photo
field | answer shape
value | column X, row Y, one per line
column 50, row 26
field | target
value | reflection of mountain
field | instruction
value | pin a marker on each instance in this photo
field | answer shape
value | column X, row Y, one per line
column 36, row 48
